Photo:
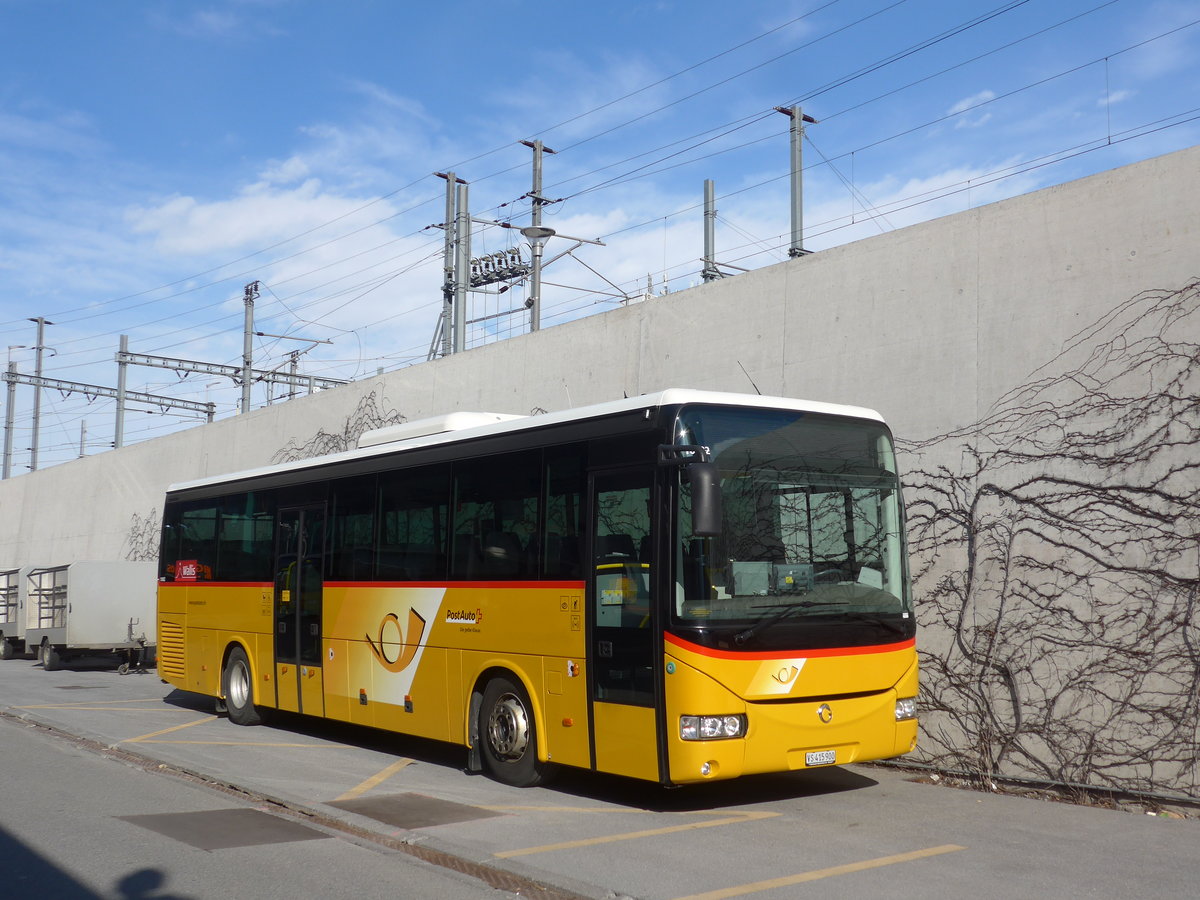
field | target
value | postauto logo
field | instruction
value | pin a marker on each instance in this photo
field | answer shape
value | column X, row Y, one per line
column 464, row 616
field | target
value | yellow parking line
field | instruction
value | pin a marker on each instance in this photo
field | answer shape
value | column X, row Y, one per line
column 818, row 874
column 374, row 780
column 633, row 835
column 145, row 738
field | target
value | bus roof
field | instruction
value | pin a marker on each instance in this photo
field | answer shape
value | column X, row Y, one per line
column 462, row 426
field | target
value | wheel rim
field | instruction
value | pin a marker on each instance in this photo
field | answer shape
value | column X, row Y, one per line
column 508, row 727
column 239, row 685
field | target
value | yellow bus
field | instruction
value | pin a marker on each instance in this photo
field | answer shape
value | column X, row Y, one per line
column 678, row 587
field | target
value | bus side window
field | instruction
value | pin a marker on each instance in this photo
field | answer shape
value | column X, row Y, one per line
column 413, row 524
column 350, row 554
column 190, row 544
column 247, row 537
column 496, row 516
column 566, row 481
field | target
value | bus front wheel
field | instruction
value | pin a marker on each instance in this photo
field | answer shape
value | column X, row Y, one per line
column 508, row 734
column 238, row 688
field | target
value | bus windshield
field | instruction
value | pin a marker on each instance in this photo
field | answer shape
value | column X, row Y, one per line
column 811, row 550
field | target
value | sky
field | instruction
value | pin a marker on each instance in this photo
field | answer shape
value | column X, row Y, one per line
column 158, row 156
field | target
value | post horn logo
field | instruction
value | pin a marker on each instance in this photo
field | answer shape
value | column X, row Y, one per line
column 786, row 675
column 407, row 650
column 825, row 713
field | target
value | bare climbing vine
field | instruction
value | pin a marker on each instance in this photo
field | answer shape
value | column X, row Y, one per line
column 1056, row 563
column 367, row 415
column 141, row 541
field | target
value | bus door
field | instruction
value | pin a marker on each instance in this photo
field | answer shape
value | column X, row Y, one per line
column 620, row 605
column 299, row 572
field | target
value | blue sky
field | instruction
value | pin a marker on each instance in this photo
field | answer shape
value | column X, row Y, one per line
column 155, row 157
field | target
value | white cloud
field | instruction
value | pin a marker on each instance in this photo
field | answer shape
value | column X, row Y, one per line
column 260, row 215
column 969, row 103
column 381, row 96
column 286, row 171
column 57, row 131
column 235, row 20
column 1115, row 97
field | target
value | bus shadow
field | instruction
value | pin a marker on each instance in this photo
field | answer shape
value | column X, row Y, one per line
column 360, row 736
column 740, row 792
column 745, row 791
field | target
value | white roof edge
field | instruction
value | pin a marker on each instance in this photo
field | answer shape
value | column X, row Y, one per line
column 405, row 431
column 667, row 397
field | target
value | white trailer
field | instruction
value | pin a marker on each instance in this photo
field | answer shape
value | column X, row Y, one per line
column 86, row 608
column 13, row 590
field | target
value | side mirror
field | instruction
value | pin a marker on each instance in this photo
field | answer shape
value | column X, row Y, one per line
column 705, row 480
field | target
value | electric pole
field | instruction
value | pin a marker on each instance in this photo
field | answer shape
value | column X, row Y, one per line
column 248, row 343
column 9, row 412
column 445, row 330
column 709, row 271
column 797, row 165
column 37, row 391
column 462, row 266
column 536, row 234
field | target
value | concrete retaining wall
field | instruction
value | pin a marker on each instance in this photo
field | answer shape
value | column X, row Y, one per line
column 1038, row 359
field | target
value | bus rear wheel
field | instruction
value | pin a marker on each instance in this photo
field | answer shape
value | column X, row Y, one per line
column 508, row 734
column 238, row 688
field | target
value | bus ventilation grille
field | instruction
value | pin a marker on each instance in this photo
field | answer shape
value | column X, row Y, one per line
column 170, row 649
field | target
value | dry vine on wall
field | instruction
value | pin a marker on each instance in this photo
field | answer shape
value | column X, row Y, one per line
column 366, row 416
column 1056, row 563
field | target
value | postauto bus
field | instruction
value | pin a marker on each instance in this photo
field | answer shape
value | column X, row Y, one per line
column 677, row 587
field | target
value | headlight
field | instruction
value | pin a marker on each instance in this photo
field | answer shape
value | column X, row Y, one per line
column 906, row 708
column 711, row 728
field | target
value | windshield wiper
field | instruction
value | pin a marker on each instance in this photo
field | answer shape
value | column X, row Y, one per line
column 788, row 609
column 875, row 619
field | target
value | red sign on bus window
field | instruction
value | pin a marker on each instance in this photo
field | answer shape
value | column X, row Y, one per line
column 187, row 570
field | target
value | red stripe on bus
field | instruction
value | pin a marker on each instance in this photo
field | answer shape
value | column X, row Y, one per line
column 491, row 585
column 216, row 584
column 784, row 654
column 523, row 585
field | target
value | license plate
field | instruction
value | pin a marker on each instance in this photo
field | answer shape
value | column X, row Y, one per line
column 820, row 758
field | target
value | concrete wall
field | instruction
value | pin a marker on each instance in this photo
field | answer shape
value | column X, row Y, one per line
column 974, row 335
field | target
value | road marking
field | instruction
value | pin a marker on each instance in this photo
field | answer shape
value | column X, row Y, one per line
column 374, row 780
column 633, row 835
column 818, row 874
column 145, row 738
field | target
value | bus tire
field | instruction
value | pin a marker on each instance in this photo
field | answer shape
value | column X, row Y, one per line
column 508, row 734
column 237, row 685
column 51, row 658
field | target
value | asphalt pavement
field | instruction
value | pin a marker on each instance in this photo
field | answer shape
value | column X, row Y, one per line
column 848, row 831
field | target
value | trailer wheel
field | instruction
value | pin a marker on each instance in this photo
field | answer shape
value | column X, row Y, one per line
column 6, row 649
column 238, row 687
column 123, row 669
column 508, row 734
column 51, row 658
